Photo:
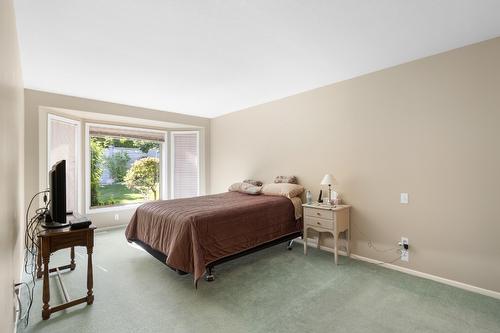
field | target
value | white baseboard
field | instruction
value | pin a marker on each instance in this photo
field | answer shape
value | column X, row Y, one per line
column 104, row 229
column 453, row 283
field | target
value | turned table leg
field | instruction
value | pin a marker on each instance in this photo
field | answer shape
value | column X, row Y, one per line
column 72, row 258
column 46, row 288
column 39, row 261
column 90, row 278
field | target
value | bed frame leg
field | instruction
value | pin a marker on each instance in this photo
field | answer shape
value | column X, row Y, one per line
column 209, row 276
column 289, row 247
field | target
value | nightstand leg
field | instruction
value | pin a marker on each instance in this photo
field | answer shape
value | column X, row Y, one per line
column 348, row 240
column 349, row 233
column 319, row 240
column 336, row 235
column 305, row 241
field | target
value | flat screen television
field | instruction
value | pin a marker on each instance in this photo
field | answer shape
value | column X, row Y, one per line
column 57, row 204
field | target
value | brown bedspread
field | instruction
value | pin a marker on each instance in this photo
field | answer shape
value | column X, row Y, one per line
column 197, row 231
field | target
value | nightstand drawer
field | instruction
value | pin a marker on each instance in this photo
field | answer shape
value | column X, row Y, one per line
column 319, row 213
column 313, row 221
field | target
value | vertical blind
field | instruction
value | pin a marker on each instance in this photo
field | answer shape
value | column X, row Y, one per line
column 62, row 146
column 185, row 164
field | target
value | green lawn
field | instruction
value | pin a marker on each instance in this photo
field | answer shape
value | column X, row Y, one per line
column 119, row 193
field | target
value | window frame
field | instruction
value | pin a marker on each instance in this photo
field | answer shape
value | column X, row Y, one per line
column 163, row 168
column 78, row 154
column 172, row 160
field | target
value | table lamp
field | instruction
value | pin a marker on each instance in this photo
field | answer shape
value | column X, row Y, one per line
column 328, row 180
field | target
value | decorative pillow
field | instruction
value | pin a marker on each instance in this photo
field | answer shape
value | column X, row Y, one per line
column 245, row 188
column 286, row 179
column 253, row 182
column 283, row 189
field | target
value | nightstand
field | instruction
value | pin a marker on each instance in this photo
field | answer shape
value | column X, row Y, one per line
column 327, row 218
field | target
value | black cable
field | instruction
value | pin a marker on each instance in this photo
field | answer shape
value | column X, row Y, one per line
column 36, row 212
column 31, row 245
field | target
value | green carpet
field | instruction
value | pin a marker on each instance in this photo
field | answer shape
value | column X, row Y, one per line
column 274, row 290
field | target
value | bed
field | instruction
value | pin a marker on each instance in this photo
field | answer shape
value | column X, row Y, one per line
column 193, row 235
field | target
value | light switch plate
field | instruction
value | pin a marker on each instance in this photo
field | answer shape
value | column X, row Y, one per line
column 403, row 198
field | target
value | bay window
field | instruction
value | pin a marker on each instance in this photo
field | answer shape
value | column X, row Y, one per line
column 124, row 165
column 128, row 166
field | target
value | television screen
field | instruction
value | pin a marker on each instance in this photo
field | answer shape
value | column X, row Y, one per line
column 57, row 184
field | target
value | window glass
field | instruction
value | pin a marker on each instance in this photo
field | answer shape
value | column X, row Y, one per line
column 123, row 170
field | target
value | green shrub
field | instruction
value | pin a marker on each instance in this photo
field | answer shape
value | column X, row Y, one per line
column 117, row 165
column 96, row 160
column 144, row 176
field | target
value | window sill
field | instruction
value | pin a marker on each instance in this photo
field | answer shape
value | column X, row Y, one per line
column 97, row 210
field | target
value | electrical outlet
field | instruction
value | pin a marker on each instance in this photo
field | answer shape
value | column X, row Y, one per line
column 404, row 198
column 405, row 250
column 117, row 217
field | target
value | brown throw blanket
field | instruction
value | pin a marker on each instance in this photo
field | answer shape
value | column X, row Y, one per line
column 197, row 231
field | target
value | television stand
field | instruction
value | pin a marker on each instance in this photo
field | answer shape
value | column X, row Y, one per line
column 52, row 240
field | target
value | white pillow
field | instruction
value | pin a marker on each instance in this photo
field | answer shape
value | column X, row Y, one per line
column 283, row 189
column 245, row 188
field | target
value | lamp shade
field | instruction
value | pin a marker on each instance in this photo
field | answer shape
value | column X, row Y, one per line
column 327, row 179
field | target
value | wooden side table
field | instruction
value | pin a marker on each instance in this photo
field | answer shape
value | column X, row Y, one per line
column 330, row 219
column 51, row 240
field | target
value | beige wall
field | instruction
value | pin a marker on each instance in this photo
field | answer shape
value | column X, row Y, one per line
column 430, row 128
column 38, row 104
column 11, row 165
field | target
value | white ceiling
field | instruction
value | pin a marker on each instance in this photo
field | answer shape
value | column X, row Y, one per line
column 211, row 57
